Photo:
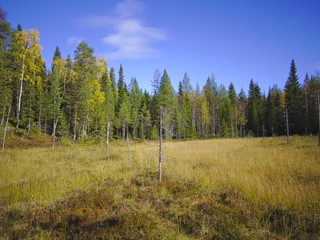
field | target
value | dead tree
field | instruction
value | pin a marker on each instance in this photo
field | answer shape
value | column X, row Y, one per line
column 107, row 144
column 160, row 145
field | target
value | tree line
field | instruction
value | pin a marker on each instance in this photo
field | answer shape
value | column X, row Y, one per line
column 79, row 96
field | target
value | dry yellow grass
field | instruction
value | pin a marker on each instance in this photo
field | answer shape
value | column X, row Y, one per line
column 262, row 169
column 253, row 188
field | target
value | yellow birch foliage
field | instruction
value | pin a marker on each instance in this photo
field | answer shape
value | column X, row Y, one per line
column 28, row 51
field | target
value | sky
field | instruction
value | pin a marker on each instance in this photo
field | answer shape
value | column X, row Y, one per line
column 235, row 40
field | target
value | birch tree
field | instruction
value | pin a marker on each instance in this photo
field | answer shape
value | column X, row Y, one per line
column 27, row 50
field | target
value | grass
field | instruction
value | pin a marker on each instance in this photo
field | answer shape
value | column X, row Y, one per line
column 252, row 188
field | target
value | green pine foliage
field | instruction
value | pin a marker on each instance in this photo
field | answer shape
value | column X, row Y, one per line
column 293, row 99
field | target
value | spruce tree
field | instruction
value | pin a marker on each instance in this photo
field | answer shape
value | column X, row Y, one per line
column 293, row 99
column 6, row 65
column 168, row 102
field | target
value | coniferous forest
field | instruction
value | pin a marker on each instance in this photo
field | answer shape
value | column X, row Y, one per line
column 79, row 95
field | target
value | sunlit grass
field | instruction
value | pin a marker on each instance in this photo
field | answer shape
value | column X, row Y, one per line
column 264, row 169
column 45, row 174
column 260, row 182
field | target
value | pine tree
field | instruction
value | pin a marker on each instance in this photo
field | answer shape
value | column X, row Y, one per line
column 85, row 74
column 168, row 102
column 124, row 118
column 135, row 99
column 186, row 85
column 156, row 82
column 313, row 96
column 57, row 54
column 57, row 91
column 224, row 105
column 155, row 108
column 196, row 111
column 205, row 117
column 243, row 102
column 254, row 109
column 189, row 129
column 121, row 86
column 210, row 91
column 234, row 110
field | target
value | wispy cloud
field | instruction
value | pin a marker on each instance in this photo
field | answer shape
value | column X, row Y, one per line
column 131, row 38
column 72, row 40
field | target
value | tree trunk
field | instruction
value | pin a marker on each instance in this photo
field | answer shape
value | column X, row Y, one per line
column 107, row 145
column 55, row 123
column 3, row 113
column 236, row 133
column 213, row 119
column 29, row 125
column 5, row 131
column 45, row 124
column 20, row 93
column 123, row 132
column 287, row 121
column 149, row 160
column 141, row 129
column 75, row 127
column 39, row 123
column 231, row 127
column 307, row 112
column 128, row 144
column 160, row 146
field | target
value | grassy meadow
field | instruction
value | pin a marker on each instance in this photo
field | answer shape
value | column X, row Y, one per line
column 250, row 188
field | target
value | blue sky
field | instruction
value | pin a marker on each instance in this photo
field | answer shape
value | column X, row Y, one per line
column 235, row 40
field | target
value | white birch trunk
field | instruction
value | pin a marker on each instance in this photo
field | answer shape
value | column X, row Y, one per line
column 3, row 113
column 20, row 93
column 5, row 131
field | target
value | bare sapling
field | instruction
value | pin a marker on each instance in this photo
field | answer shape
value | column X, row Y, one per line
column 149, row 161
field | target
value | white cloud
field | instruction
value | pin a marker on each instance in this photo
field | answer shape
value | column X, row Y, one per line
column 131, row 38
column 72, row 40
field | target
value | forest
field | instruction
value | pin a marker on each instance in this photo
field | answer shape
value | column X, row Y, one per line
column 79, row 95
